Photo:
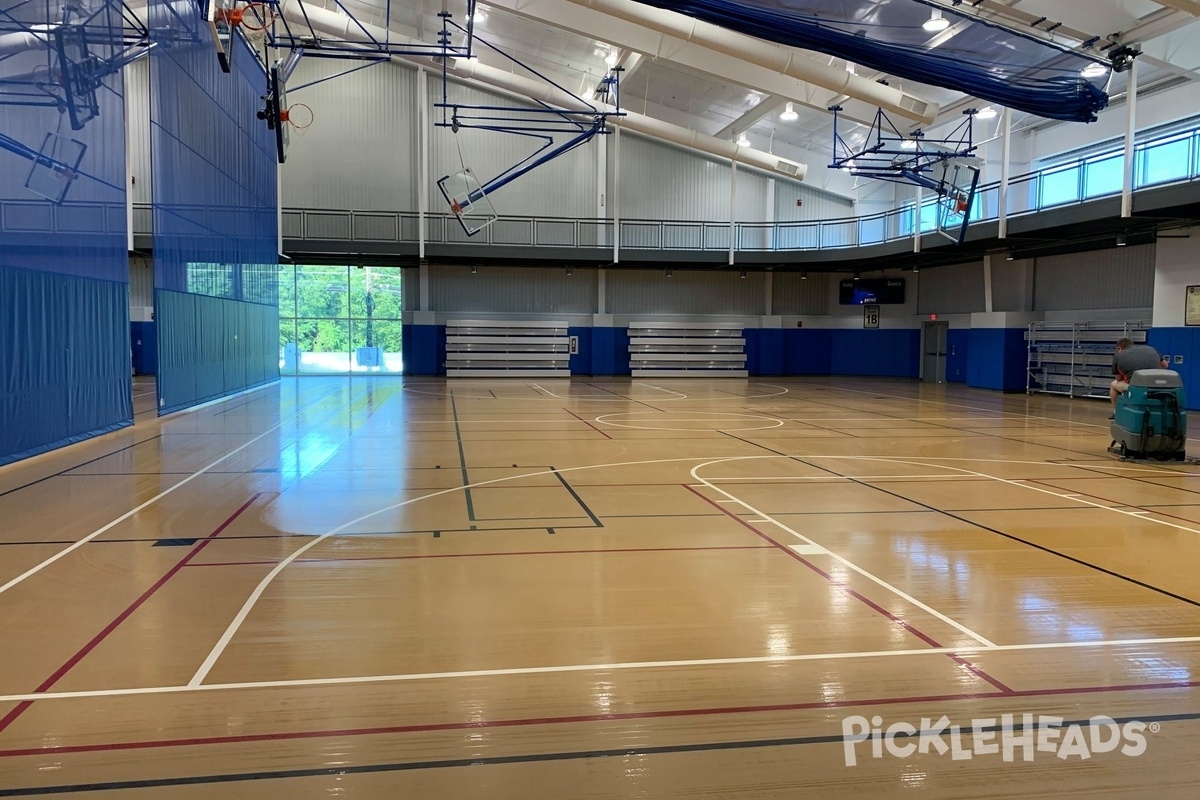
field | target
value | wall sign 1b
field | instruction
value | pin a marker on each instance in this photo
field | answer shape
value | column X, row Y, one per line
column 870, row 316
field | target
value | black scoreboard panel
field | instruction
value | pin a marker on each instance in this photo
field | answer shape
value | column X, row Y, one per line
column 871, row 291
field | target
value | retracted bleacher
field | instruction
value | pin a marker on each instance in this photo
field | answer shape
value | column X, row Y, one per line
column 683, row 349
column 507, row 349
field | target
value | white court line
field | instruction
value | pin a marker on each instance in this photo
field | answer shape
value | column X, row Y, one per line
column 735, row 418
column 487, row 673
column 240, row 618
column 71, row 548
column 837, row 478
column 844, row 561
column 661, row 389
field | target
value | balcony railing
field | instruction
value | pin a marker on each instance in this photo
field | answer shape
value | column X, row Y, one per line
column 1160, row 161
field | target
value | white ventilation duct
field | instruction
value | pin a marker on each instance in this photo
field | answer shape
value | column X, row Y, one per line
column 339, row 26
column 769, row 56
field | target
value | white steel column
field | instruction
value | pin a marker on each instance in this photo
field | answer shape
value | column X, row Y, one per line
column 616, row 196
column 732, row 204
column 917, row 223
column 423, row 285
column 601, row 177
column 422, row 165
column 1005, row 158
column 1130, row 130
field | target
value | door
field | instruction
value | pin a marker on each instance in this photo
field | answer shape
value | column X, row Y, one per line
column 933, row 347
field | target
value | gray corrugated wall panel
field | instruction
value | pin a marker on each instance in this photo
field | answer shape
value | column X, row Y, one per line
column 802, row 297
column 686, row 292
column 817, row 205
column 1121, row 277
column 563, row 187
column 753, row 192
column 512, row 290
column 360, row 153
column 141, row 283
column 410, row 290
column 659, row 181
column 956, row 289
column 137, row 131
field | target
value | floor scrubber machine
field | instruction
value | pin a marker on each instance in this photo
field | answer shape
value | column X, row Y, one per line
column 1150, row 421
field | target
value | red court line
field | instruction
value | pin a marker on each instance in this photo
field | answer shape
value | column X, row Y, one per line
column 856, row 595
column 82, row 653
column 485, row 555
column 585, row 422
column 583, row 718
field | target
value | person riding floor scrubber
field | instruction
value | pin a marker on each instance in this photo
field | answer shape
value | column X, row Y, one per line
column 1148, row 419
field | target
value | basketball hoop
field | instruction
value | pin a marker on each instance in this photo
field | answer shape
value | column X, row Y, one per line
column 252, row 16
column 299, row 121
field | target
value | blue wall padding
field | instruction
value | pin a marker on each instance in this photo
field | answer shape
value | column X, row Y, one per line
column 603, row 348
column 424, row 348
column 64, row 262
column 210, row 347
column 1181, row 342
column 143, row 343
column 581, row 362
column 215, row 229
column 807, row 351
column 764, row 351
column 887, row 352
column 64, row 351
column 957, row 359
column 998, row 359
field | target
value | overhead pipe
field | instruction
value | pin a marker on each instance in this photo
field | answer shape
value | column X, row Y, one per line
column 344, row 28
column 786, row 61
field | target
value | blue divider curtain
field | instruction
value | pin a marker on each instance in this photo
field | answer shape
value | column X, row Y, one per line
column 215, row 225
column 64, row 269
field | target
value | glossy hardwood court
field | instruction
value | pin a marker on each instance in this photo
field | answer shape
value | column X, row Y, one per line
column 601, row 589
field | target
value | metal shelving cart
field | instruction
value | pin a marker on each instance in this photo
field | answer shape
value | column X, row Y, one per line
column 1075, row 358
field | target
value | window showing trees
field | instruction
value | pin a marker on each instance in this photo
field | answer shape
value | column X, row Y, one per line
column 339, row 320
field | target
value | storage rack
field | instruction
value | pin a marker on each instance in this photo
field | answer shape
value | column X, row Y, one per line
column 507, row 349
column 681, row 349
column 1075, row 358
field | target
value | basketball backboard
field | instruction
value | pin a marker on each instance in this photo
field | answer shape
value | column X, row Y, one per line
column 959, row 180
column 220, row 22
column 79, row 70
column 56, row 167
column 469, row 203
column 277, row 106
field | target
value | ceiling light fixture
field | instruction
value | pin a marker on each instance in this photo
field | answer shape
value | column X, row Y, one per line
column 908, row 144
column 743, row 274
column 1094, row 70
column 669, row 273
column 803, row 275
column 789, row 114
column 611, row 60
column 987, row 112
column 936, row 23
column 474, row 270
column 742, row 140
column 1121, row 241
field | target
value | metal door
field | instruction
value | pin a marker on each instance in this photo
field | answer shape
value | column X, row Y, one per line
column 933, row 347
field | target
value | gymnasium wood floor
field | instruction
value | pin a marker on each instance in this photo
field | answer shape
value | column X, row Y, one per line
column 605, row 589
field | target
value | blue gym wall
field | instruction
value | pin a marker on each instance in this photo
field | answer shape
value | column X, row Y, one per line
column 1183, row 342
column 64, row 299
column 215, row 229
